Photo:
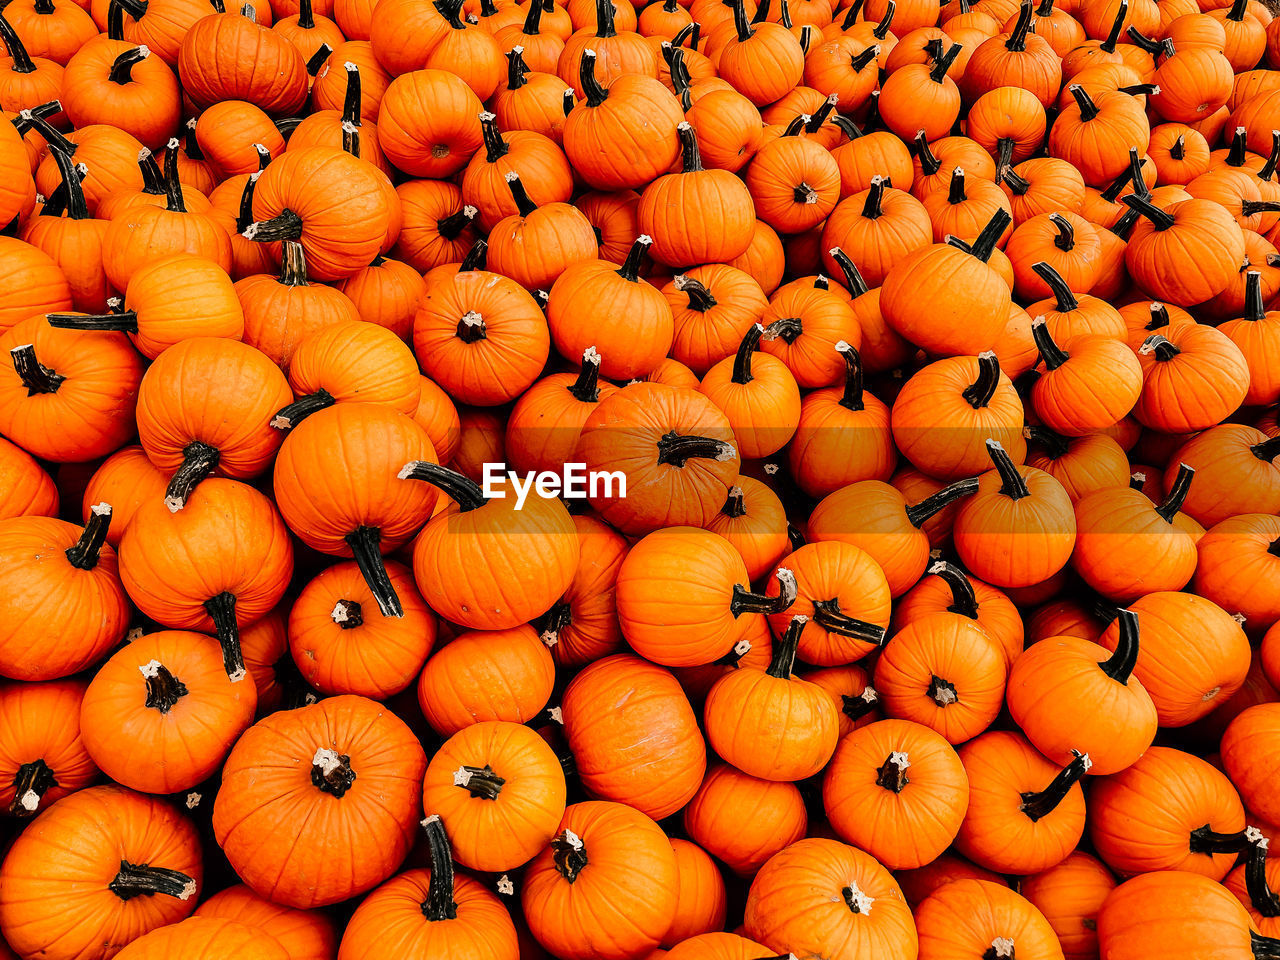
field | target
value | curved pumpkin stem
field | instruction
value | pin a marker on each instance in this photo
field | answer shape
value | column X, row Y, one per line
column 1161, row 347
column 1062, row 293
column 1264, row 948
column 851, row 396
column 979, row 393
column 164, row 690
column 222, row 611
column 1017, row 42
column 83, row 555
column 1055, row 444
column 122, row 67
column 892, row 774
column 700, row 296
column 735, row 505
column 692, row 157
column 1177, row 494
column 744, row 601
column 964, row 600
column 451, row 227
column 524, row 203
column 1113, row 36
column 918, row 513
column 481, row 782
column 1264, row 899
column 292, row 414
column 783, row 660
column 1040, row 804
column 553, row 621
column 591, row 87
column 1160, row 220
column 741, row 364
column 142, row 880
column 988, row 239
column 942, row 64
column 318, row 59
column 465, row 492
column 72, row 175
column 586, row 389
column 1088, row 109
column 678, row 449
column 22, row 62
column 1013, row 484
column 853, row 279
column 1119, row 666
column 1206, row 840
column 36, row 377
column 929, row 164
column 740, row 22
column 199, row 460
column 1267, row 450
column 569, row 854
column 1016, row 183
column 826, row 613
column 855, row 708
column 32, row 781
column 285, row 225
column 365, row 543
column 1052, row 354
column 331, row 772
column 516, row 68
column 851, row 16
column 630, row 269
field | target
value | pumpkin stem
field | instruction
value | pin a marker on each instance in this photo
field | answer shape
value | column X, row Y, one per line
column 680, row 79
column 1017, row 41
column 1066, row 238
column 22, row 62
column 553, row 621
column 122, row 67
column 826, row 613
column 1163, row 349
column 569, row 854
column 802, row 192
column 365, row 543
column 892, row 774
column 475, row 258
column 853, row 280
column 31, row 782
column 1113, row 36
column 1264, row 948
column 1013, row 484
column 595, row 93
column 692, row 157
column 918, row 513
column 1088, row 109
column 1160, row 220
column 295, row 692
column 465, row 492
column 1179, row 148
column 677, row 449
column 784, row 651
column 820, row 116
column 164, row 690
column 989, row 237
column 495, row 147
column 322, row 54
column 1001, row 949
column 1004, row 156
column 244, row 217
column 1137, row 480
column 198, row 461
column 586, row 389
column 126, row 321
column 532, row 26
column 451, row 10
column 855, row 708
column 286, row 225
column 347, row 614
column 481, row 782
column 871, row 206
column 1172, row 502
column 294, row 413
column 736, row 504
column 1254, row 308
column 1237, row 11
column 1143, row 42
column 524, row 204
column 331, row 772
column 744, row 601
column 1268, row 169
column 604, row 19
column 1264, row 899
column 34, row 119
column 964, row 600
column 451, row 227
column 1055, row 445
column 943, row 63
column 1250, row 208
column 742, row 359
column 306, row 15
column 143, row 880
column 351, row 100
column 1267, row 450
column 1208, row 841
column 221, row 609
column 36, row 377
column 700, row 297
column 174, row 201
column 979, row 393
column 956, row 193
column 1061, row 290
column 881, row 30
column 630, row 269
column 1037, row 805
column 929, row 164
column 851, row 17
column 83, row 555
column 1119, row 666
column 516, row 68
column 1017, row 184
column 942, row 692
column 1052, row 354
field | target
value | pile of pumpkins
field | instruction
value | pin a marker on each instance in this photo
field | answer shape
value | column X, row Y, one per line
column 920, row 595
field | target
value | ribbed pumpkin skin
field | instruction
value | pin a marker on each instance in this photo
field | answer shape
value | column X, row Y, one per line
column 633, row 735
column 207, row 938
column 305, row 934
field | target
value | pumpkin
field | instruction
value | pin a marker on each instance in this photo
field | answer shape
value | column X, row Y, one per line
column 486, row 675
column 42, row 755
column 851, row 907
column 203, row 938
column 1070, row 894
column 1235, row 562
column 432, row 912
column 161, row 714
column 67, row 396
column 672, row 618
column 363, row 518
column 1168, row 811
column 305, row 934
column 945, row 672
column 921, row 96
column 137, row 867
column 700, row 910
column 191, row 426
column 803, row 325
column 343, row 644
column 1235, row 468
column 218, row 565
column 905, row 778
column 582, row 625
column 754, row 521
column 765, row 815
column 126, row 479
column 1245, row 756
column 1110, row 717
column 946, row 588
column 970, row 915
column 603, row 853
column 1251, row 883
column 292, row 765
